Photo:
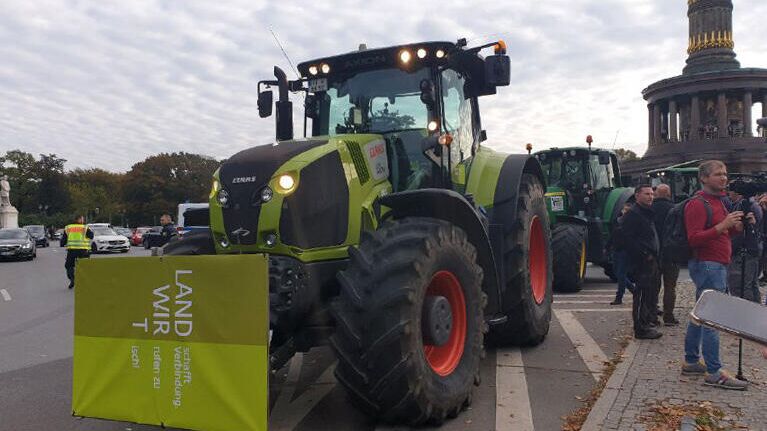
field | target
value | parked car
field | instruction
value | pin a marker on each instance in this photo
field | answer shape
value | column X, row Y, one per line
column 58, row 234
column 124, row 231
column 138, row 235
column 37, row 232
column 105, row 239
column 16, row 243
column 153, row 238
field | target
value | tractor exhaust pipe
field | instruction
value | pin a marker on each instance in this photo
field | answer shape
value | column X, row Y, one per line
column 284, row 117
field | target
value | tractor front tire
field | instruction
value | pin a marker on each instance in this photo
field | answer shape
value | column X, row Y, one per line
column 568, row 241
column 389, row 367
column 196, row 243
column 528, row 296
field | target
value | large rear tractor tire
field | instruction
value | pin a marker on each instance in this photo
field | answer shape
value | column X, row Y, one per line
column 527, row 301
column 568, row 241
column 409, row 322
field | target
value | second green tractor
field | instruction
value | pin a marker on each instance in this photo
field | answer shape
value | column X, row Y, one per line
column 585, row 195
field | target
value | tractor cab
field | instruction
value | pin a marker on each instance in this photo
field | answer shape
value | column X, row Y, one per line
column 582, row 177
column 420, row 99
column 682, row 179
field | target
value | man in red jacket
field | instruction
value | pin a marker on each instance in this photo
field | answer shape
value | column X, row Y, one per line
column 709, row 240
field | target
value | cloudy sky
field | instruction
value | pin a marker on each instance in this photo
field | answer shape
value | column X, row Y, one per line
column 106, row 83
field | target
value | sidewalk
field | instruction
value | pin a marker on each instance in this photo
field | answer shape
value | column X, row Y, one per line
column 647, row 391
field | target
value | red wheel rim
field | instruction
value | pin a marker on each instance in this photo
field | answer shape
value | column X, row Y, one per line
column 537, row 260
column 444, row 359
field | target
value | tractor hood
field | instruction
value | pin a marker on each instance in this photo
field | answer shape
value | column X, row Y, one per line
column 254, row 167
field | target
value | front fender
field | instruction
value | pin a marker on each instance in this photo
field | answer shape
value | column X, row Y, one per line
column 454, row 208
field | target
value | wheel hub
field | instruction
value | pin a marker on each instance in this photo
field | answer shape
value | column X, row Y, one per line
column 437, row 320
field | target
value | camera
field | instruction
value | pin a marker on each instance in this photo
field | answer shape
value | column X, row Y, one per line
column 749, row 186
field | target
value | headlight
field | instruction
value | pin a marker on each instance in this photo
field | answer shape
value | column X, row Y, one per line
column 286, row 183
column 266, row 194
column 27, row 245
column 222, row 197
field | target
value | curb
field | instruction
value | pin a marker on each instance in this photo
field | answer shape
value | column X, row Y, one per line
column 598, row 414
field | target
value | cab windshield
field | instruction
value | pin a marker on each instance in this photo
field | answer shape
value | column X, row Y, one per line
column 563, row 170
column 378, row 101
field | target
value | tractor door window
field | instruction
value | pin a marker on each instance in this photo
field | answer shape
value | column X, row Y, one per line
column 457, row 119
column 600, row 174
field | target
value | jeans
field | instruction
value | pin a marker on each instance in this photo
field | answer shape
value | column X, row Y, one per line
column 647, row 277
column 706, row 276
column 620, row 266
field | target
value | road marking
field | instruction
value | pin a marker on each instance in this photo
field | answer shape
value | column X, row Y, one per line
column 512, row 410
column 583, row 310
column 590, row 352
column 288, row 412
column 584, row 302
column 6, row 295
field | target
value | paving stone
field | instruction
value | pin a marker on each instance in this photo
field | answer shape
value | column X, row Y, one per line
column 655, row 377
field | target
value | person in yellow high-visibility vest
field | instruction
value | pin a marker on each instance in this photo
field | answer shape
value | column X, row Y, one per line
column 77, row 238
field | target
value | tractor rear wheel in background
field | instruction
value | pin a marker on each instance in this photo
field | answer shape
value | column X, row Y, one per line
column 568, row 241
column 527, row 301
column 409, row 322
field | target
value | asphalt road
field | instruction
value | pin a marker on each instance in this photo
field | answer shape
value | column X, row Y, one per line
column 521, row 389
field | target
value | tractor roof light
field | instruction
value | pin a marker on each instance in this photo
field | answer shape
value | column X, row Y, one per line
column 432, row 126
column 421, row 53
column 325, row 68
column 405, row 56
column 313, row 70
column 500, row 48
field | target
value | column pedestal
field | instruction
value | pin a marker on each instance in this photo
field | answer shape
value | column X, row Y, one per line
column 9, row 217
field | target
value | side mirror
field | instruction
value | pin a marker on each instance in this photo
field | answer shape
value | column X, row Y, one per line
column 604, row 157
column 427, row 93
column 498, row 70
column 265, row 102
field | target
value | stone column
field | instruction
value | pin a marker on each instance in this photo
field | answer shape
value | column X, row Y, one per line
column 695, row 118
column 721, row 108
column 672, row 111
column 651, row 125
column 656, row 123
column 747, row 120
column 764, row 106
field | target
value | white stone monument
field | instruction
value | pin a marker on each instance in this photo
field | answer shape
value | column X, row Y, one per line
column 9, row 216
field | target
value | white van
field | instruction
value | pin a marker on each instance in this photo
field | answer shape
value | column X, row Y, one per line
column 185, row 224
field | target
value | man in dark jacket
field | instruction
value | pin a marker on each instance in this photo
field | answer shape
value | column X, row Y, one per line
column 619, row 257
column 669, row 270
column 751, row 244
column 168, row 229
column 643, row 249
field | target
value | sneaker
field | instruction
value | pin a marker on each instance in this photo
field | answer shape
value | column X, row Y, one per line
column 696, row 369
column 723, row 380
column 671, row 321
column 650, row 334
column 617, row 302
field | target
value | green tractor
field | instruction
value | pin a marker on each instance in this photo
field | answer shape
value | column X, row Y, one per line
column 393, row 234
column 584, row 198
column 681, row 178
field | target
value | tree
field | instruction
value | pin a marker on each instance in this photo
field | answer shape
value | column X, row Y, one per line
column 625, row 155
column 89, row 189
column 158, row 184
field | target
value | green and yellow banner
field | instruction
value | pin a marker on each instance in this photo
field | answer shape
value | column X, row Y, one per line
column 177, row 341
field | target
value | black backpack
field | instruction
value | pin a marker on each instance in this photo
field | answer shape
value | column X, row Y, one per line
column 675, row 245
